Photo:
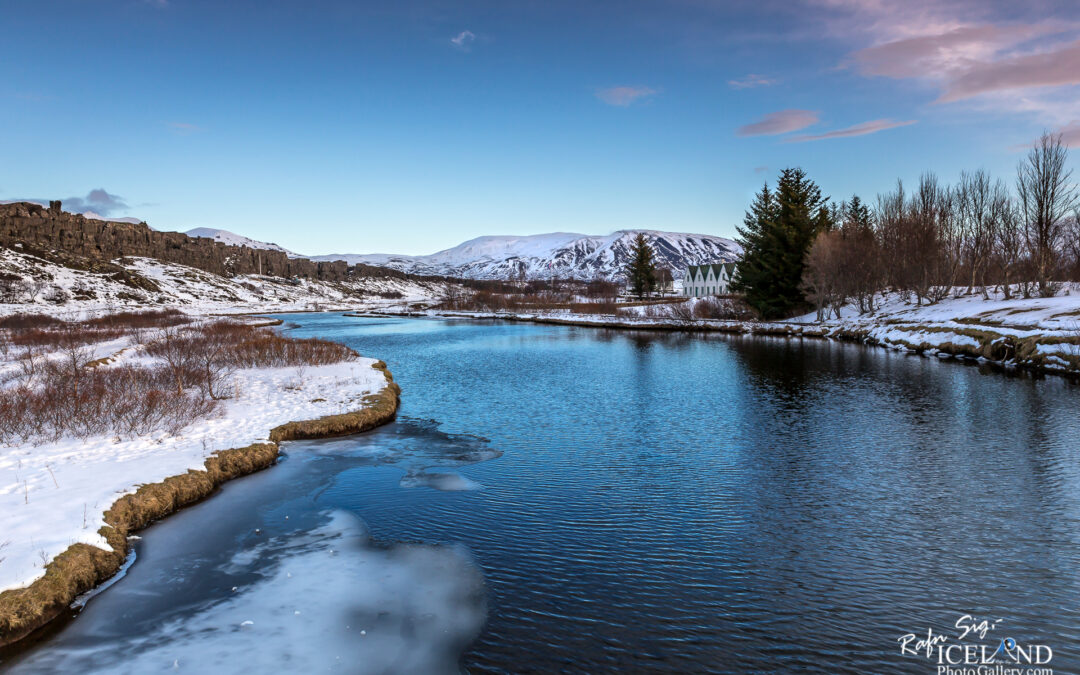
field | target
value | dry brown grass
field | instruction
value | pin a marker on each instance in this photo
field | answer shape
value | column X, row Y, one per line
column 81, row 566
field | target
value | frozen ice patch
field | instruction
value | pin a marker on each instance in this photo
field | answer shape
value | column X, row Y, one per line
column 448, row 481
column 326, row 600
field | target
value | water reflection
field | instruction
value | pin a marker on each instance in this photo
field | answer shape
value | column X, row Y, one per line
column 680, row 503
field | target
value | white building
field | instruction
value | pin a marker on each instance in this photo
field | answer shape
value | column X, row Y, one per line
column 703, row 280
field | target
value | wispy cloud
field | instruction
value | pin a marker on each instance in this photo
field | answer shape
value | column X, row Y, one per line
column 463, row 40
column 1048, row 69
column 997, row 57
column 1070, row 136
column 751, row 81
column 624, row 96
column 779, row 122
column 862, row 129
column 760, row 169
column 184, row 128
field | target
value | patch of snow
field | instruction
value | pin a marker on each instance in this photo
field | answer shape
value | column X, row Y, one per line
column 232, row 239
column 54, row 495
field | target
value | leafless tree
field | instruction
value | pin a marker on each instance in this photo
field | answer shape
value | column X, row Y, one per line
column 1010, row 248
column 178, row 354
column 214, row 368
column 452, row 295
column 976, row 220
column 1046, row 194
column 34, row 288
column 9, row 288
column 664, row 279
column 823, row 274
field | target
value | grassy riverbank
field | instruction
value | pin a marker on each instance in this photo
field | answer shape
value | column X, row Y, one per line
column 73, row 489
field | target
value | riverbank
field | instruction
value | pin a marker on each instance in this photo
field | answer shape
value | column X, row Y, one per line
column 70, row 505
column 1038, row 334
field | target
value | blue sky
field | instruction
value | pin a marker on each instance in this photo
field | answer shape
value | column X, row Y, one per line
column 408, row 127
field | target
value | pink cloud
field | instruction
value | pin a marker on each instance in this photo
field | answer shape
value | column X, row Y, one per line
column 752, row 80
column 936, row 55
column 1070, row 134
column 861, row 129
column 1047, row 69
column 1001, row 57
column 624, row 96
column 779, row 122
column 184, row 127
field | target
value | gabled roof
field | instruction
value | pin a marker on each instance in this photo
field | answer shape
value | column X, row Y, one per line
column 714, row 267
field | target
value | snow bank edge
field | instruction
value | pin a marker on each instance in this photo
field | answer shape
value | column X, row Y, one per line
column 82, row 567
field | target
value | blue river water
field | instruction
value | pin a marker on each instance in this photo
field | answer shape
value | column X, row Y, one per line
column 561, row 499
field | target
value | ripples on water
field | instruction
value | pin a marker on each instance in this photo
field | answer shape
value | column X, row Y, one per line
column 690, row 503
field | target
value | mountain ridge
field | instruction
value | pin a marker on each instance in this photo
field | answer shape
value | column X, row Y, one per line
column 555, row 254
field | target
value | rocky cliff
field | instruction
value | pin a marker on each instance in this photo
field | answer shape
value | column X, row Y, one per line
column 35, row 227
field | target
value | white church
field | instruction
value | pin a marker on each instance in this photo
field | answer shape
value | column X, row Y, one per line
column 704, row 280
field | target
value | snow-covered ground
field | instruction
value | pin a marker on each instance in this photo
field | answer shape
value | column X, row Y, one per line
column 60, row 290
column 55, row 494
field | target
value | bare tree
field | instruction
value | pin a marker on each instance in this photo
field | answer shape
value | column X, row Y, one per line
column 176, row 350
column 664, row 279
column 10, row 286
column 975, row 211
column 824, row 272
column 214, row 368
column 1073, row 247
column 1010, row 247
column 1046, row 195
column 34, row 288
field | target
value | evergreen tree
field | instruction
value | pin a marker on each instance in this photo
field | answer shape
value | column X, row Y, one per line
column 641, row 270
column 776, row 235
column 857, row 216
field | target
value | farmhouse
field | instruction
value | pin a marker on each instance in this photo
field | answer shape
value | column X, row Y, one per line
column 712, row 279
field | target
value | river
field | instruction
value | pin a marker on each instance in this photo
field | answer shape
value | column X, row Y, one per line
column 554, row 498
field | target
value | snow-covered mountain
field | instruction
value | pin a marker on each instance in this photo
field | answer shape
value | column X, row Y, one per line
column 558, row 254
column 233, row 239
column 95, row 216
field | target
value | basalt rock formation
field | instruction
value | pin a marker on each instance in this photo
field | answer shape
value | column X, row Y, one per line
column 33, row 227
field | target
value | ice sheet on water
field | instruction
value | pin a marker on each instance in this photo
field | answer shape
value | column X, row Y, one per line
column 448, row 481
column 326, row 600
column 409, row 441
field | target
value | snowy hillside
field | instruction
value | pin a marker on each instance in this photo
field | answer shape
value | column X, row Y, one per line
column 31, row 284
column 233, row 239
column 559, row 254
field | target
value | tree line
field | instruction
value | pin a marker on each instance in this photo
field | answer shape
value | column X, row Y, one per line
column 802, row 251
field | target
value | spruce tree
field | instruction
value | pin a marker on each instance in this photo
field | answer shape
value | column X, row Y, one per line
column 776, row 235
column 641, row 270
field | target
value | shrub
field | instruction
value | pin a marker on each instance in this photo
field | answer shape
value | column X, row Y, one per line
column 121, row 401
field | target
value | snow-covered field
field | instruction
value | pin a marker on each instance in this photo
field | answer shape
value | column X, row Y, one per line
column 55, row 494
column 64, row 291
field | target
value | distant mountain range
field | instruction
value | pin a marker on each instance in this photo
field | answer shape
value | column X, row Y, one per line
column 539, row 256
